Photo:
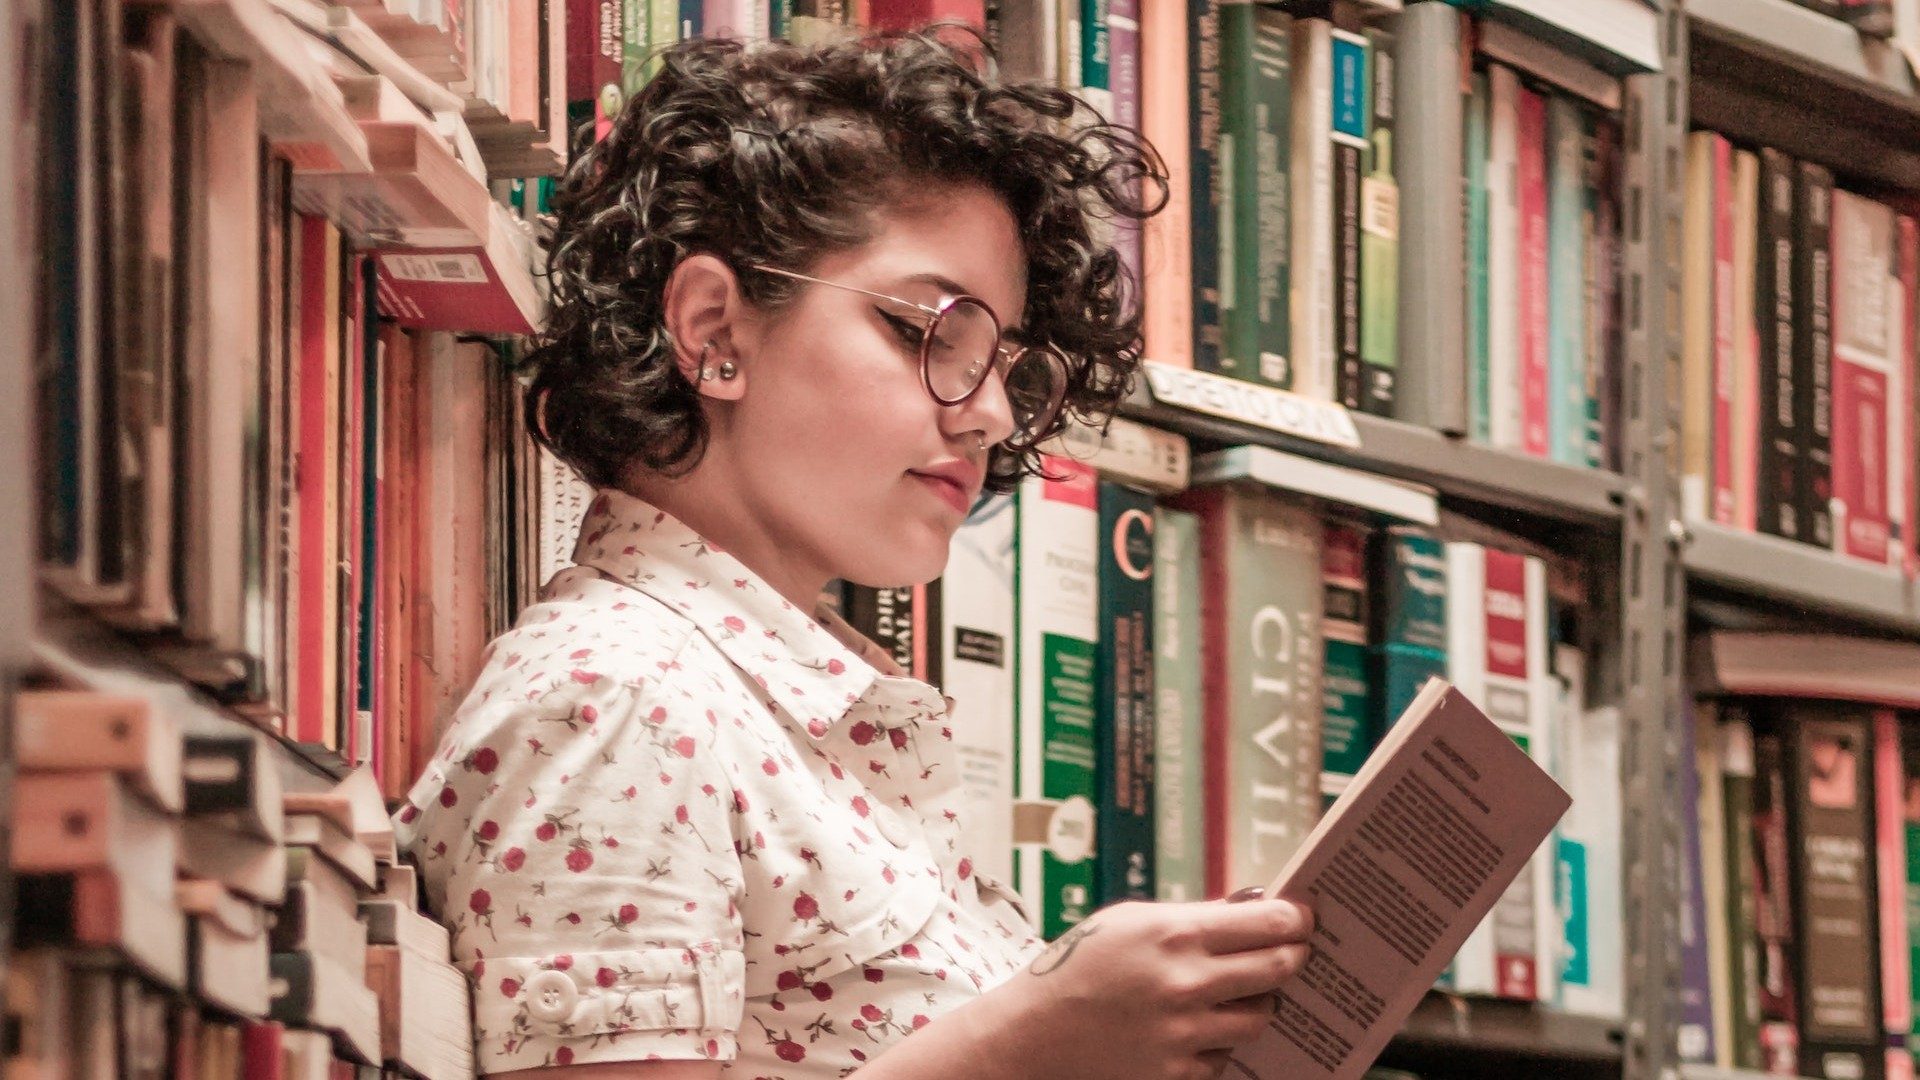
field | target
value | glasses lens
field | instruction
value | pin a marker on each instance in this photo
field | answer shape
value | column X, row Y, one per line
column 961, row 351
column 1036, row 384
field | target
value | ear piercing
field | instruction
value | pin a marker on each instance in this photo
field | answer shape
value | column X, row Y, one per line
column 727, row 369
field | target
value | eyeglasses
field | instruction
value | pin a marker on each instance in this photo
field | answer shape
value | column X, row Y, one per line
column 959, row 344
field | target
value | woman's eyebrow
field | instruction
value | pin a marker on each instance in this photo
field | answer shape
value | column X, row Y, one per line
column 954, row 288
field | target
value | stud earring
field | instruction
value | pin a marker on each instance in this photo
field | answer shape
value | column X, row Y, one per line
column 728, row 371
column 982, row 439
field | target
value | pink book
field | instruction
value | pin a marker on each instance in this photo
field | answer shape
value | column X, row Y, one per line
column 1908, row 362
column 1532, row 185
column 1724, row 340
column 1890, row 867
column 1867, row 339
column 1440, row 820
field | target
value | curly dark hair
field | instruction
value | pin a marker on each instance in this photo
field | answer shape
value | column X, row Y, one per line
column 780, row 154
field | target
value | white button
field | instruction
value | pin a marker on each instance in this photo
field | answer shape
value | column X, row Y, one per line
column 551, row 996
column 892, row 827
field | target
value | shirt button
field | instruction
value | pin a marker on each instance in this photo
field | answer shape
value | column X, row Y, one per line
column 551, row 996
column 892, row 827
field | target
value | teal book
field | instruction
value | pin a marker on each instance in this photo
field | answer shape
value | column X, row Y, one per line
column 1255, row 138
column 1348, row 731
column 1379, row 236
column 1096, row 56
column 1058, row 619
column 1124, row 717
column 1567, row 422
column 1475, row 152
column 1179, row 837
column 1410, row 619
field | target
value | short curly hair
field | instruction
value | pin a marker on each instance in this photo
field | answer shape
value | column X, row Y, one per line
column 780, row 154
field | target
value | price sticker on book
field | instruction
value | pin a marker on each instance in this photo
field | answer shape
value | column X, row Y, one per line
column 1260, row 406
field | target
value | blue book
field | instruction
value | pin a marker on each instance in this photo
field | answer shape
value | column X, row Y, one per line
column 1695, row 1036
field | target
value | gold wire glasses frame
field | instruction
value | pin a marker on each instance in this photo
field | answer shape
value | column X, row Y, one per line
column 1040, row 413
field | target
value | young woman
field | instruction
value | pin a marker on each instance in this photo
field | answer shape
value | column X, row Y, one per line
column 808, row 305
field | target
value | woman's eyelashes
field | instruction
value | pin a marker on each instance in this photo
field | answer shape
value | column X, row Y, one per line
column 910, row 333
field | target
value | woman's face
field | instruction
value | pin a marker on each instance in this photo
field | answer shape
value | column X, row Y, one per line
column 835, row 442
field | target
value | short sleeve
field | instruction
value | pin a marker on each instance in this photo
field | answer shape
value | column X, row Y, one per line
column 575, row 834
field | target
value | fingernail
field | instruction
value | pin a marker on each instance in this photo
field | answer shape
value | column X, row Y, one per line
column 1251, row 892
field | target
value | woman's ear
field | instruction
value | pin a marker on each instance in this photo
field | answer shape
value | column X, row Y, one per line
column 704, row 314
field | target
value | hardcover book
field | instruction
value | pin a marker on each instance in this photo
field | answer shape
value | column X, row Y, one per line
column 1124, row 716
column 1178, row 778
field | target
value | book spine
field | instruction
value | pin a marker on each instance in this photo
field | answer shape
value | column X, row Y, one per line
column 977, row 666
column 1272, row 175
column 1533, row 297
column 1904, row 465
column 1566, row 282
column 1909, row 751
column 1411, row 632
column 1479, row 381
column 1167, row 245
column 1695, row 1035
column 1123, row 725
column 1725, row 339
column 1123, row 41
column 1474, row 969
column 1831, row 824
column 1347, row 732
column 1350, row 144
column 1865, row 336
column 1240, row 253
column 886, row 616
column 309, row 477
column 1505, row 411
column 1096, row 57
column 1774, row 908
column 1743, row 942
column 1203, row 147
column 1779, row 506
column 1697, row 431
column 1890, row 866
column 1311, row 181
column 1593, row 973
column 631, row 26
column 1813, row 350
column 1379, row 236
column 1745, row 442
column 1710, row 810
column 1609, row 357
column 1178, row 779
column 1058, row 619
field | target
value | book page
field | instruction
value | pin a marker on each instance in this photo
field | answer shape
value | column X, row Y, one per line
column 1441, row 819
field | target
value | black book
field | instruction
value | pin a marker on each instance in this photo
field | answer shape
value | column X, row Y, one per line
column 1813, row 350
column 1779, row 510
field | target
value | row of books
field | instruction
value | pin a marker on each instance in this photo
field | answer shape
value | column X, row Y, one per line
column 1798, row 955
column 179, row 914
column 1161, row 692
column 1798, row 399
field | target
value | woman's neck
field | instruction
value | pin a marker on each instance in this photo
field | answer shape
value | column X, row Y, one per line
column 711, row 506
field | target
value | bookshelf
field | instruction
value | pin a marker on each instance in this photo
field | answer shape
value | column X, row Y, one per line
column 1768, row 71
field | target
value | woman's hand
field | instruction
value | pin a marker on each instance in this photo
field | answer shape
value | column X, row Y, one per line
column 1153, row 991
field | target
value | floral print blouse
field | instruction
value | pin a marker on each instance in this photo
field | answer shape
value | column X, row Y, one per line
column 677, row 817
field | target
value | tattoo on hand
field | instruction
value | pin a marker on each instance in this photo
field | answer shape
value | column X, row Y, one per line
column 1056, row 955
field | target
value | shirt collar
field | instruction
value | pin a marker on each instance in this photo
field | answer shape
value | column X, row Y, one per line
column 809, row 673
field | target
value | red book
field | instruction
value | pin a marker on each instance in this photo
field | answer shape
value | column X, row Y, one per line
column 486, row 287
column 1866, row 339
column 911, row 14
column 317, row 244
column 1532, row 189
column 1515, row 960
column 260, row 1048
column 1724, row 338
column 353, row 415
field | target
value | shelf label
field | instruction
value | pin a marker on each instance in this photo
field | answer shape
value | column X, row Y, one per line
column 1248, row 403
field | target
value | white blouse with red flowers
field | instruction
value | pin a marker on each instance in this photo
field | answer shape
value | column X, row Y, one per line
column 677, row 817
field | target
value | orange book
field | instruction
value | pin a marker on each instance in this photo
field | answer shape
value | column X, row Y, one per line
column 1166, row 270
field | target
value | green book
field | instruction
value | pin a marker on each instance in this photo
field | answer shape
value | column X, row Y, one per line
column 1179, row 837
column 1124, row 719
column 1566, row 282
column 1056, row 560
column 1255, row 143
column 663, row 29
column 1096, row 56
column 1379, row 237
column 1348, row 732
column 1475, row 153
column 635, row 15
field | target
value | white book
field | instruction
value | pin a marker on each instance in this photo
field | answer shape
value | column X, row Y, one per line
column 1592, row 979
column 1543, row 724
column 977, row 664
column 1472, row 970
column 1058, row 619
column 1330, row 483
column 1310, row 178
column 1711, row 808
column 1504, row 407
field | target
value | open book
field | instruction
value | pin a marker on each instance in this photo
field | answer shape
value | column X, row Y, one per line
column 1444, row 815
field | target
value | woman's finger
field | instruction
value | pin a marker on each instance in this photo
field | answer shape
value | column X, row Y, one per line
column 1255, row 924
column 1255, row 972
